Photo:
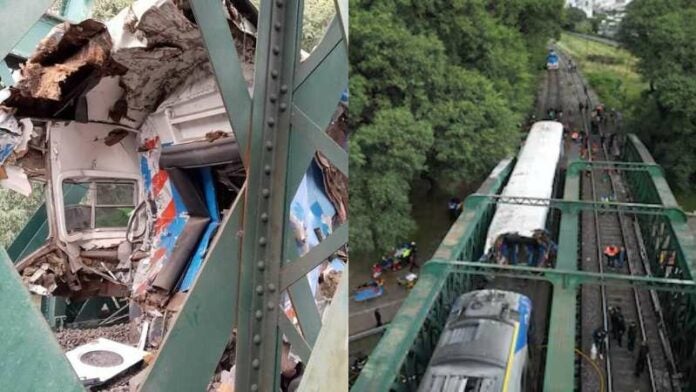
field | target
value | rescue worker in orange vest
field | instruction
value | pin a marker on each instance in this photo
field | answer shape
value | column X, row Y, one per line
column 612, row 252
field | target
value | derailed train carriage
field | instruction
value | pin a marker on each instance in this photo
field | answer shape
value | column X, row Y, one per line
column 484, row 345
column 518, row 233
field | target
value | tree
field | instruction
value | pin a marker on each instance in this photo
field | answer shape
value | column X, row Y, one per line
column 15, row 210
column 573, row 17
column 384, row 157
column 449, row 81
column 660, row 33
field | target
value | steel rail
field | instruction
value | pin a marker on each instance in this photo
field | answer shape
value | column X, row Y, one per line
column 598, row 242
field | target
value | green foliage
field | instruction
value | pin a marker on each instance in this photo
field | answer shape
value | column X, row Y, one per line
column 573, row 17
column 106, row 9
column 612, row 72
column 385, row 156
column 15, row 210
column 661, row 34
column 317, row 16
column 457, row 76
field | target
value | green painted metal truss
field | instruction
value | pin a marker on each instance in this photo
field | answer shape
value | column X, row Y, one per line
column 400, row 358
column 252, row 262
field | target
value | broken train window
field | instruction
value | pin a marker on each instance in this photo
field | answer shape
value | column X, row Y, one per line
column 106, row 204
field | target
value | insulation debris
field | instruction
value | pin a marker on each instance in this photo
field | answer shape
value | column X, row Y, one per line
column 69, row 61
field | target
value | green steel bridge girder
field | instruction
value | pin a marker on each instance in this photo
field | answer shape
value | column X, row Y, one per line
column 569, row 278
column 575, row 167
column 292, row 103
column 675, row 214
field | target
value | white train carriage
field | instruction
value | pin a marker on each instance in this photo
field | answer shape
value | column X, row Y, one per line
column 517, row 232
column 484, row 345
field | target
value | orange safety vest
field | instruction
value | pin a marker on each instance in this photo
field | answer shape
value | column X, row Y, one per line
column 611, row 250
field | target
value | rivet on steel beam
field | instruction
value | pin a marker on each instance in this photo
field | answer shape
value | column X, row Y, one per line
column 267, row 169
column 274, row 73
column 264, row 217
column 254, row 387
column 271, row 287
column 255, row 363
column 271, row 121
column 270, row 306
column 279, row 3
column 265, row 192
column 257, row 339
column 278, row 26
column 259, row 289
column 259, row 314
column 262, row 241
column 272, row 98
column 283, row 106
column 269, row 145
column 276, row 50
column 284, row 88
column 260, row 265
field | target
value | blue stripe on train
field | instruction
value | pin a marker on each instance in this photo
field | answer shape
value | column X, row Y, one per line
column 524, row 309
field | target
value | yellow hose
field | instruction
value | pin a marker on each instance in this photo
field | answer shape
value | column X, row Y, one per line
column 600, row 375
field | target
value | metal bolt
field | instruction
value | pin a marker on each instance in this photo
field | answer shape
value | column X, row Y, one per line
column 254, row 387
column 283, row 106
column 262, row 241
column 272, row 98
column 264, row 217
column 260, row 265
column 265, row 192
column 279, row 3
column 271, row 287
column 274, row 73
column 259, row 314
column 267, row 169
column 257, row 339
column 259, row 290
column 284, row 88
column 271, row 121
column 276, row 50
column 270, row 306
column 255, row 363
column 278, row 26
column 269, row 145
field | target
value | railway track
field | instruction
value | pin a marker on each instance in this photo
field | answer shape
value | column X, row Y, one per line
column 599, row 231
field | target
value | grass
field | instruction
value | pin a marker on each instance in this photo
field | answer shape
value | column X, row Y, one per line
column 610, row 71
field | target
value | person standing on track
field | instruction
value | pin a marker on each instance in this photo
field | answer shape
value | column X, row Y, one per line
column 621, row 258
column 642, row 358
column 378, row 317
column 632, row 330
column 620, row 328
column 599, row 336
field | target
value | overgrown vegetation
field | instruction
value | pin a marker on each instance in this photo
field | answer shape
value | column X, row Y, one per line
column 437, row 90
column 612, row 72
column 660, row 33
column 15, row 210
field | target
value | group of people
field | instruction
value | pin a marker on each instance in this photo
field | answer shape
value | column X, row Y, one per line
column 616, row 256
column 618, row 328
column 555, row 114
column 397, row 259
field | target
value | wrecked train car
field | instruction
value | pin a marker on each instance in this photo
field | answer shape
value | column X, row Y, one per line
column 124, row 124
